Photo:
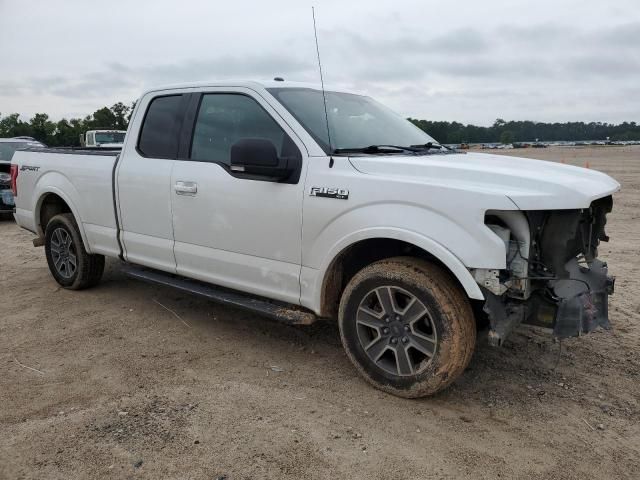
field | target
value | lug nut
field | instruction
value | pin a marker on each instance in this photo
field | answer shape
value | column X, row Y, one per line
column 385, row 330
column 405, row 339
column 394, row 340
column 406, row 328
column 387, row 319
column 397, row 318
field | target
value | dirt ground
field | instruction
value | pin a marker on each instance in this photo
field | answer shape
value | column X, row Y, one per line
column 106, row 383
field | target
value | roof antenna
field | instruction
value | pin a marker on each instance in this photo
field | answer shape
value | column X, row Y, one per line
column 324, row 96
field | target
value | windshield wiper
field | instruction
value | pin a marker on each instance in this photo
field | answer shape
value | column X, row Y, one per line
column 378, row 149
column 428, row 146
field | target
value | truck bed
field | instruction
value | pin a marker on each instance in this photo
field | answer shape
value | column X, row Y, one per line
column 83, row 178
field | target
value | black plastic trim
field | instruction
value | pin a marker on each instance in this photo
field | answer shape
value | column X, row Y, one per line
column 188, row 126
column 96, row 151
column 280, row 311
column 192, row 128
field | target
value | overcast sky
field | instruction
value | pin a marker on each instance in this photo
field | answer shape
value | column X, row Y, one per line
column 470, row 61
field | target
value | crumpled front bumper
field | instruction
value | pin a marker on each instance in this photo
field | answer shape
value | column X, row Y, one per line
column 571, row 306
column 582, row 299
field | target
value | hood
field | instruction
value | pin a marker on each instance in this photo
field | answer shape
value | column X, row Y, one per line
column 530, row 184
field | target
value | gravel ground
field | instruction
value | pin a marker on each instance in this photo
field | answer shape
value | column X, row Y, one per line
column 106, row 383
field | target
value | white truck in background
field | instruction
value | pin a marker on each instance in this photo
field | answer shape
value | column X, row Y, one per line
column 102, row 138
column 247, row 194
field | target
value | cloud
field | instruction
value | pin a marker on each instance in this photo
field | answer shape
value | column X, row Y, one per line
column 624, row 36
column 603, row 66
column 250, row 66
column 471, row 62
column 461, row 41
column 117, row 78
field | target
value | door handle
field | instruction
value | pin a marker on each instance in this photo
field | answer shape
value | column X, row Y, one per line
column 186, row 188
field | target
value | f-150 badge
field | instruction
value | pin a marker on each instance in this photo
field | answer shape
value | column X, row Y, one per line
column 329, row 192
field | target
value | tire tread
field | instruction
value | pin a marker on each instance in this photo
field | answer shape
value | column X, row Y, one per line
column 90, row 266
column 451, row 299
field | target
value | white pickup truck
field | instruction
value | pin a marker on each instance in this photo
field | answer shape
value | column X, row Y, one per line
column 248, row 194
column 102, row 138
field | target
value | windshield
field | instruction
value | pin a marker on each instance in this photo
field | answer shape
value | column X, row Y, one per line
column 7, row 149
column 109, row 137
column 355, row 121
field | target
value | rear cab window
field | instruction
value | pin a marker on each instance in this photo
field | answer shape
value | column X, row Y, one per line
column 159, row 134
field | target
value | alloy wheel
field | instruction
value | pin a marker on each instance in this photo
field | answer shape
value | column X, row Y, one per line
column 396, row 331
column 63, row 253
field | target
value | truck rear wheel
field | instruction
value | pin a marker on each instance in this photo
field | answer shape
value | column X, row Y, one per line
column 69, row 263
column 407, row 326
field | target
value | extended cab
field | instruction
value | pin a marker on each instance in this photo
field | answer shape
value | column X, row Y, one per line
column 248, row 194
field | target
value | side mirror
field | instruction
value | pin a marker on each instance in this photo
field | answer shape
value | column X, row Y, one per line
column 257, row 156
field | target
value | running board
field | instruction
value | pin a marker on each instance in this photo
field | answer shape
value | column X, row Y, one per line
column 282, row 312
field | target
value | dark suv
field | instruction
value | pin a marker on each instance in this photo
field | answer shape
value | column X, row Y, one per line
column 7, row 148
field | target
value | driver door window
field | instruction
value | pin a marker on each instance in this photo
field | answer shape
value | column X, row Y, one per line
column 224, row 119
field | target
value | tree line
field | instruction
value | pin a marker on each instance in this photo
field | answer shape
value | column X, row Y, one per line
column 66, row 132
column 527, row 131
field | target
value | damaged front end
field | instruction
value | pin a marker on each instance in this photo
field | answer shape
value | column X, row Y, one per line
column 553, row 277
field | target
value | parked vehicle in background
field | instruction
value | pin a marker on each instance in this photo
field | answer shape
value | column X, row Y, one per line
column 246, row 193
column 8, row 146
column 102, row 138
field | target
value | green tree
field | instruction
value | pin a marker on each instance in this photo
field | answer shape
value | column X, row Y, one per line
column 67, row 133
column 527, row 131
column 506, row 137
column 42, row 128
column 103, row 118
column 121, row 114
column 131, row 109
column 12, row 126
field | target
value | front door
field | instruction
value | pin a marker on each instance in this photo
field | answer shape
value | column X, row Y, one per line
column 229, row 229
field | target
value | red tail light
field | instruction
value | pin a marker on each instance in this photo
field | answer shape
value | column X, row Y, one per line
column 14, row 180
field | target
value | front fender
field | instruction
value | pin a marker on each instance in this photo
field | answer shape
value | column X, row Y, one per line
column 427, row 244
column 446, row 221
column 312, row 280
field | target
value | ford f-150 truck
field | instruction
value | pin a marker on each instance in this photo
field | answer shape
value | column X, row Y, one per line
column 263, row 196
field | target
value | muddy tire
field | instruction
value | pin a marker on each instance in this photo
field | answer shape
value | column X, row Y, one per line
column 407, row 326
column 69, row 263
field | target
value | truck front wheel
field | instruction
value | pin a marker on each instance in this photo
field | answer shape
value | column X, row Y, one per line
column 69, row 263
column 407, row 326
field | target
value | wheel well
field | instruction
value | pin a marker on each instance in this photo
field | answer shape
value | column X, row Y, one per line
column 357, row 256
column 51, row 206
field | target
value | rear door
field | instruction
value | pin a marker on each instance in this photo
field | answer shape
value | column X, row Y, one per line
column 229, row 229
column 144, row 180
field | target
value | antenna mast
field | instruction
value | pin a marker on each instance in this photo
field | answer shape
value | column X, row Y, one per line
column 324, row 96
